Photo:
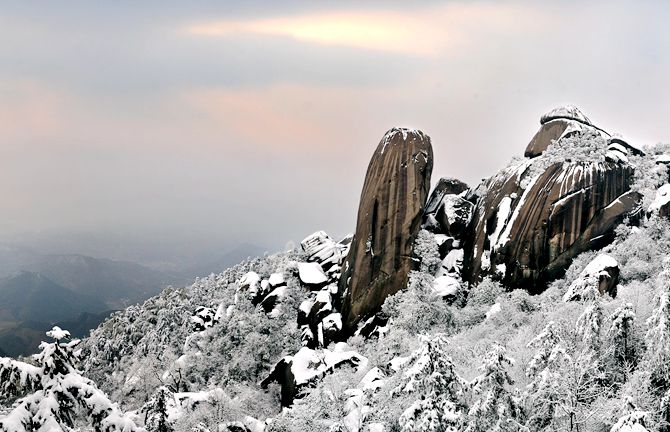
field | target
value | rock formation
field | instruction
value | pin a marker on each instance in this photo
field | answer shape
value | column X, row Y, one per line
column 308, row 366
column 389, row 217
column 534, row 217
column 599, row 277
column 557, row 124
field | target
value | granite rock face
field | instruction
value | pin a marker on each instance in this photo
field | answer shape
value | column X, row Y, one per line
column 533, row 218
column 392, row 203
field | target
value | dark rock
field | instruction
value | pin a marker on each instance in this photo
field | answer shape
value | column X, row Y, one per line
column 548, row 132
column 372, row 327
column 445, row 186
column 389, row 218
column 532, row 233
column 631, row 149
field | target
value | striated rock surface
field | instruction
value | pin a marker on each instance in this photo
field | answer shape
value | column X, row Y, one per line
column 389, row 218
column 534, row 217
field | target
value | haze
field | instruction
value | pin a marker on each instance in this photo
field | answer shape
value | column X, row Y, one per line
column 172, row 130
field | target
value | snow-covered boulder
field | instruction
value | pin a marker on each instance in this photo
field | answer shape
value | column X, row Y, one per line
column 250, row 282
column 446, row 286
column 452, row 263
column 312, row 275
column 493, row 310
column 308, row 366
column 322, row 249
column 318, row 321
column 599, row 277
column 569, row 112
column 204, row 318
column 270, row 301
column 661, row 203
column 276, row 280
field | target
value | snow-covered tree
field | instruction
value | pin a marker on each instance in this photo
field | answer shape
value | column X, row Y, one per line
column 432, row 375
column 59, row 392
column 544, row 370
column 156, row 411
column 495, row 408
column 657, row 339
column 633, row 422
column 621, row 331
column 427, row 251
column 589, row 325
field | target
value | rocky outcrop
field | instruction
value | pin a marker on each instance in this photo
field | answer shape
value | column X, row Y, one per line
column 559, row 123
column 599, row 277
column 533, row 218
column 307, row 367
column 389, row 218
column 661, row 203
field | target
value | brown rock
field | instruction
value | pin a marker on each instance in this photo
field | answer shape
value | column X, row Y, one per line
column 531, row 234
column 389, row 218
column 548, row 132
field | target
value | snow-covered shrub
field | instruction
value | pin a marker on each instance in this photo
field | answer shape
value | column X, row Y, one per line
column 427, row 251
column 59, row 394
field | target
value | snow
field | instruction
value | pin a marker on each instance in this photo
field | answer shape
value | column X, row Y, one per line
column 397, row 363
column 586, row 284
column 565, row 111
column 662, row 198
column 494, row 310
column 633, row 422
column 453, row 209
column 504, row 209
column 616, row 156
column 504, row 237
column 452, row 263
column 57, row 333
column 276, row 279
column 599, row 264
column 446, row 286
column 373, row 380
column 311, row 274
column 250, row 281
column 308, row 364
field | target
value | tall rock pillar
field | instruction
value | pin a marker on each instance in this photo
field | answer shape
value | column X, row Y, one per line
column 396, row 187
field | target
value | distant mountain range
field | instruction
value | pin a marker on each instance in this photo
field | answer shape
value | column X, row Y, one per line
column 40, row 290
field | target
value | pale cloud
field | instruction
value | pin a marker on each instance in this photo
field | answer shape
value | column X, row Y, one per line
column 427, row 31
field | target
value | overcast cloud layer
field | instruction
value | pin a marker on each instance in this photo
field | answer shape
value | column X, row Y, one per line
column 220, row 123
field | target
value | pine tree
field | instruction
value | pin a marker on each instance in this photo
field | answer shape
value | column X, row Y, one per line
column 58, row 392
column 589, row 325
column 657, row 339
column 433, row 376
column 544, row 369
column 496, row 408
column 621, row 332
column 156, row 411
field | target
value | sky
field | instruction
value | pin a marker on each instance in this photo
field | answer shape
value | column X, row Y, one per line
column 198, row 126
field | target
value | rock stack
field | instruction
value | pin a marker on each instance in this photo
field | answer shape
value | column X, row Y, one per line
column 389, row 218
